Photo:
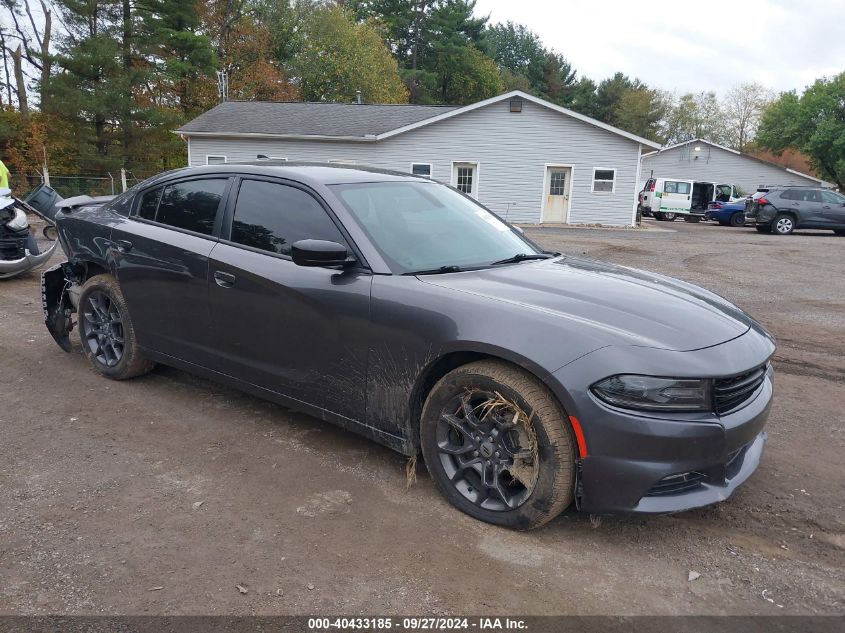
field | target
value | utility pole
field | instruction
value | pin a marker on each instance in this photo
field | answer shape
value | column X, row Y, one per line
column 123, row 178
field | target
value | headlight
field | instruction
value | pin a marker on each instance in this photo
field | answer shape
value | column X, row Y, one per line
column 649, row 393
column 18, row 222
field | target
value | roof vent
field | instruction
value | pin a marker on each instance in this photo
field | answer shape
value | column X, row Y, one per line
column 516, row 104
column 358, row 99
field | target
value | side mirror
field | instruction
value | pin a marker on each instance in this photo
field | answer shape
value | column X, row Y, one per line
column 318, row 253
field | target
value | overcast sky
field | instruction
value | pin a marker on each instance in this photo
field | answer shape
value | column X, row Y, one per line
column 689, row 46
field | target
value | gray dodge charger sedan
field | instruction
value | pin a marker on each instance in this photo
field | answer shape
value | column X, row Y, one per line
column 405, row 311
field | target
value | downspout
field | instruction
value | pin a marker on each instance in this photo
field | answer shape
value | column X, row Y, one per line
column 637, row 184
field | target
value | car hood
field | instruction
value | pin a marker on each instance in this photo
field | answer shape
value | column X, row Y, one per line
column 629, row 306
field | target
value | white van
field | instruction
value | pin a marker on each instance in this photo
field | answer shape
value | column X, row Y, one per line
column 668, row 198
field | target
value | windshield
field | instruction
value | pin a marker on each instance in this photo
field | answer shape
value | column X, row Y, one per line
column 426, row 226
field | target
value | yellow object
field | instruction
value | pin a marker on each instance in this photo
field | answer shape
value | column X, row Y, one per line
column 4, row 176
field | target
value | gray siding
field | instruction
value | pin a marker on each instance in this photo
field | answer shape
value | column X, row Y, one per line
column 720, row 166
column 511, row 149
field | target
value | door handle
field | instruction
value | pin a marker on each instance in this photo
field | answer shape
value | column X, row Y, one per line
column 124, row 246
column 224, row 280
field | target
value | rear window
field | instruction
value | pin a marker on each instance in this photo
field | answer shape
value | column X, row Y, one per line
column 676, row 186
column 148, row 204
column 191, row 205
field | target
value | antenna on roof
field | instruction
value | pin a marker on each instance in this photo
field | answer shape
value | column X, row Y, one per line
column 223, row 85
column 358, row 99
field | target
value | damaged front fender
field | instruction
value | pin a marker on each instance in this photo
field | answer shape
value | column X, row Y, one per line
column 58, row 300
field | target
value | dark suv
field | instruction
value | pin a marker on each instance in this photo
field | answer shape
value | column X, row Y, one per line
column 781, row 210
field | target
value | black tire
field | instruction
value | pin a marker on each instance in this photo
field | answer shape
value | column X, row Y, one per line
column 839, row 231
column 106, row 332
column 481, row 437
column 783, row 224
column 764, row 229
column 738, row 219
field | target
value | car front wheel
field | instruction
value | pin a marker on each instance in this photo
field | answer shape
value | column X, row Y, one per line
column 498, row 446
column 106, row 332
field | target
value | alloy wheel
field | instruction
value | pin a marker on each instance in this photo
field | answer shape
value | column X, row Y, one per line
column 102, row 327
column 784, row 225
column 488, row 451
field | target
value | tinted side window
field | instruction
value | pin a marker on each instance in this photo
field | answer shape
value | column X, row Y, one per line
column 833, row 197
column 191, row 205
column 271, row 217
column 149, row 204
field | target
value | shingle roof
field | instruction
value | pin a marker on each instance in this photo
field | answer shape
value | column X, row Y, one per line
column 342, row 120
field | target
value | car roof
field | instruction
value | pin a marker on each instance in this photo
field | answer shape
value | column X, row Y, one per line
column 312, row 173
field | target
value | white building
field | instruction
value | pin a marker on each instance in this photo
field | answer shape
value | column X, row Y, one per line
column 700, row 159
column 526, row 159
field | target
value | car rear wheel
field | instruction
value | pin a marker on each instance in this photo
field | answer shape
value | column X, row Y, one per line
column 738, row 219
column 106, row 332
column 498, row 446
column 783, row 224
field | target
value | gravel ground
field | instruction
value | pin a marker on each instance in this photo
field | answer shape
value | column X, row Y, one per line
column 166, row 493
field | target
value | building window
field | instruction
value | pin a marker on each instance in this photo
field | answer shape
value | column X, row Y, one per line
column 604, row 180
column 215, row 160
column 421, row 169
column 557, row 186
column 465, row 179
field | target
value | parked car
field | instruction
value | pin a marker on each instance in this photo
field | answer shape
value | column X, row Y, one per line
column 727, row 213
column 782, row 210
column 404, row 310
column 670, row 198
column 19, row 252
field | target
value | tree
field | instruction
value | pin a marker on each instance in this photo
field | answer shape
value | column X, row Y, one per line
column 640, row 110
column 339, row 57
column 466, row 75
column 559, row 79
column 33, row 46
column 695, row 116
column 813, row 123
column 177, row 52
column 584, row 97
column 743, row 107
column 520, row 51
column 421, row 34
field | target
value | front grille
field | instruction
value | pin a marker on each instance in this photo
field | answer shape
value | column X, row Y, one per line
column 730, row 393
column 677, row 484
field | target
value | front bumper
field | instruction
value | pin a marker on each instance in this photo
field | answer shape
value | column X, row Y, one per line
column 631, row 456
column 12, row 267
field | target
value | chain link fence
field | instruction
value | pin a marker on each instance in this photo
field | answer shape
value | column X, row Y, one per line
column 70, row 185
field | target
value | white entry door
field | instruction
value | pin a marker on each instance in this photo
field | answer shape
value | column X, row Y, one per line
column 556, row 198
column 465, row 178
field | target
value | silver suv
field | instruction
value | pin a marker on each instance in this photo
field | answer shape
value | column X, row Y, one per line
column 781, row 210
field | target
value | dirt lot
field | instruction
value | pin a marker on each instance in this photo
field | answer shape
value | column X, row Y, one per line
column 162, row 494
